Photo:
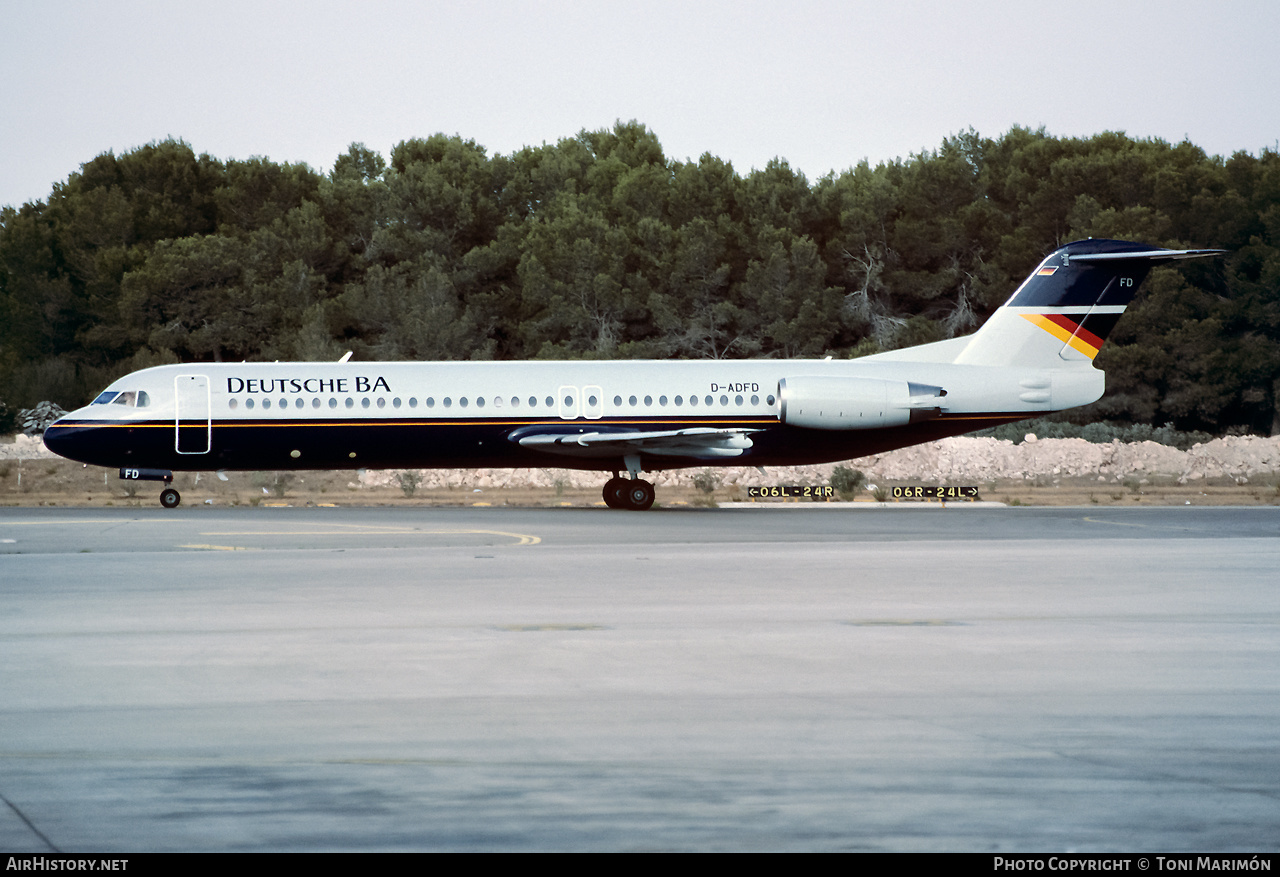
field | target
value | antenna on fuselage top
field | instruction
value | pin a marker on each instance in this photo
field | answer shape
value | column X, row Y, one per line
column 345, row 356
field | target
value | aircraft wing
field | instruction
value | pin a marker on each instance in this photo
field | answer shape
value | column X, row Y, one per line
column 702, row 443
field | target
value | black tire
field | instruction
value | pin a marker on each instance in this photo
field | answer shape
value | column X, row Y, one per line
column 615, row 493
column 169, row 498
column 639, row 495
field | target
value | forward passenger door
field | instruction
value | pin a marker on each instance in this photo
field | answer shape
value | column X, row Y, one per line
column 192, row 424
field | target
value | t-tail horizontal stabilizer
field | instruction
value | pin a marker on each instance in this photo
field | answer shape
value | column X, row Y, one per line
column 1064, row 311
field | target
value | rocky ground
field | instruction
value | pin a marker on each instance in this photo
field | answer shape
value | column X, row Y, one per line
column 1234, row 470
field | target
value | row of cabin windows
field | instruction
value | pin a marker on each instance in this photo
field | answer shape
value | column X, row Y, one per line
column 693, row 400
column 498, row 402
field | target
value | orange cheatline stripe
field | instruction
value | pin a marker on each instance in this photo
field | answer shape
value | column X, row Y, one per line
column 664, row 424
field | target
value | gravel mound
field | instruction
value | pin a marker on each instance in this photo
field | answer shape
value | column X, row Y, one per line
column 952, row 460
column 25, row 447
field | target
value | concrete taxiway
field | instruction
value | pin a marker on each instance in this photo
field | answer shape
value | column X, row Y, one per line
column 312, row 679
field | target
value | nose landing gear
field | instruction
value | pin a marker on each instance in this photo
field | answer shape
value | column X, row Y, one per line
column 169, row 498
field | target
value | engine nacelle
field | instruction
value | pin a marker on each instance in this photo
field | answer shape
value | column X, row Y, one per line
column 822, row 402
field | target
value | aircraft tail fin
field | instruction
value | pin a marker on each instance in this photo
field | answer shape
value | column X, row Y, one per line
column 1064, row 311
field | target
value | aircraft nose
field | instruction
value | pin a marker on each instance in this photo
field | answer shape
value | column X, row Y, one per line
column 59, row 438
column 55, row 438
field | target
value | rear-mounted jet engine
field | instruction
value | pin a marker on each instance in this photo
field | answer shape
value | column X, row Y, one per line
column 822, row 402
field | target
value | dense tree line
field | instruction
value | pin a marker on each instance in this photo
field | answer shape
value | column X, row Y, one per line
column 601, row 246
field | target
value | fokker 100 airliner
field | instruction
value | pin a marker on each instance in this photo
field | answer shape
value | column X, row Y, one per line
column 1034, row 355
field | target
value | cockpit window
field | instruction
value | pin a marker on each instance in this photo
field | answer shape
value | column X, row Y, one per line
column 129, row 398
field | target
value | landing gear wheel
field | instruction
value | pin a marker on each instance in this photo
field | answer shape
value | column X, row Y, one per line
column 615, row 492
column 638, row 495
column 169, row 498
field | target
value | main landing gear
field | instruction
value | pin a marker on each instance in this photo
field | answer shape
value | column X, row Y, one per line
column 169, row 498
column 632, row 493
column 635, row 494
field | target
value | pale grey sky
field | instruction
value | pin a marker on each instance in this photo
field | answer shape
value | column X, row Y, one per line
column 821, row 84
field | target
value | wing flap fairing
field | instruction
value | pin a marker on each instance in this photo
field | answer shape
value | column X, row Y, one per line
column 703, row 443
